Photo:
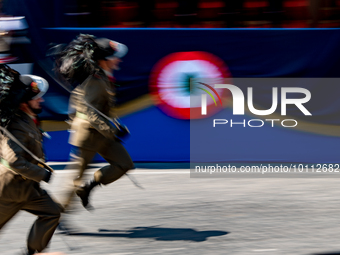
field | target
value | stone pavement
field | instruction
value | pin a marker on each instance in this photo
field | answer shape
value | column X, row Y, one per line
column 176, row 214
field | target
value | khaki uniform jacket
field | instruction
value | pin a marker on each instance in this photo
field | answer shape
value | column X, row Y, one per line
column 99, row 92
column 19, row 171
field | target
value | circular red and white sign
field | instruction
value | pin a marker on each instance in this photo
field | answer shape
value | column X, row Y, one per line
column 176, row 96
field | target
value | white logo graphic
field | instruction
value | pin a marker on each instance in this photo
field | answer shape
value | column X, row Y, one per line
column 239, row 101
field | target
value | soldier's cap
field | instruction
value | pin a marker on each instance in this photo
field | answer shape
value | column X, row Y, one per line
column 38, row 86
column 110, row 49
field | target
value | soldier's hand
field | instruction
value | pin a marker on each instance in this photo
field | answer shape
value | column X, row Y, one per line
column 47, row 177
column 121, row 133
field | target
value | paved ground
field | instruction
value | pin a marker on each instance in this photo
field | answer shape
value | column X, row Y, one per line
column 176, row 214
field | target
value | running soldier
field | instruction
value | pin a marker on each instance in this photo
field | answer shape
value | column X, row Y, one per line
column 20, row 173
column 89, row 62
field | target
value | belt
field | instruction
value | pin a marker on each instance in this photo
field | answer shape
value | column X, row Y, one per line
column 5, row 163
column 81, row 115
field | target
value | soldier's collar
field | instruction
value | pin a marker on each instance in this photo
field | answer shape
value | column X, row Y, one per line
column 109, row 74
column 23, row 116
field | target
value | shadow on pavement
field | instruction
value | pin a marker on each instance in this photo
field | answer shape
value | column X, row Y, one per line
column 328, row 253
column 159, row 234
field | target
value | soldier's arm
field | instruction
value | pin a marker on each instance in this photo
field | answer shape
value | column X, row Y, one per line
column 15, row 157
column 73, row 102
column 96, row 95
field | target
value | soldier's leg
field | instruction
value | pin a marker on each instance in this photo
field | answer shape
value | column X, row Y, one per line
column 7, row 211
column 48, row 213
column 84, row 158
column 120, row 162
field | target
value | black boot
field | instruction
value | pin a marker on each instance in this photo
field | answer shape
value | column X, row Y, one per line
column 84, row 193
column 27, row 251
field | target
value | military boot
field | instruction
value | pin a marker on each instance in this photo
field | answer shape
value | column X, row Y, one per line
column 84, row 193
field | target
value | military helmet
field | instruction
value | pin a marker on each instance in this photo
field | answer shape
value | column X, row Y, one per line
column 16, row 89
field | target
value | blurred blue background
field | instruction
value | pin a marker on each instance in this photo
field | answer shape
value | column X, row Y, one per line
column 247, row 52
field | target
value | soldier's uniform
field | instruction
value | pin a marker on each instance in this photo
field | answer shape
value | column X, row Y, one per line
column 19, row 182
column 20, row 173
column 92, row 133
column 89, row 61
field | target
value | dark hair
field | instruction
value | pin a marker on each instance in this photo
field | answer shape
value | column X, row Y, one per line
column 12, row 93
